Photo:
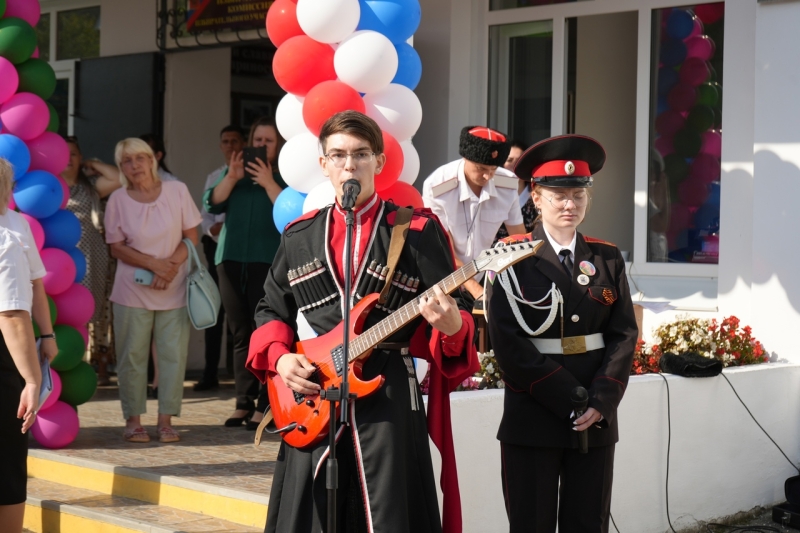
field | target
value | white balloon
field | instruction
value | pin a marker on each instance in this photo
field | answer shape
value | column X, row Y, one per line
column 396, row 109
column 299, row 162
column 328, row 21
column 289, row 116
column 320, row 196
column 366, row 61
column 410, row 170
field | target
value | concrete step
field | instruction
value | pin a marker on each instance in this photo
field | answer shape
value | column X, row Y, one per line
column 149, row 489
column 55, row 508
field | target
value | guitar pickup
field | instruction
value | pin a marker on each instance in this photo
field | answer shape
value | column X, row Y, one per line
column 337, row 354
column 314, row 378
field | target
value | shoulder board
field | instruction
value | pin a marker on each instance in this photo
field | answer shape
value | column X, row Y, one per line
column 305, row 216
column 444, row 187
column 598, row 241
column 505, row 182
column 418, row 219
column 514, row 239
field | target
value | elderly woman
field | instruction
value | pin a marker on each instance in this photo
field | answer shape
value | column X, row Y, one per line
column 563, row 332
column 146, row 221
column 21, row 289
column 247, row 245
column 85, row 194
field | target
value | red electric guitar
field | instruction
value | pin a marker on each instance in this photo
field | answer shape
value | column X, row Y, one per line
column 303, row 420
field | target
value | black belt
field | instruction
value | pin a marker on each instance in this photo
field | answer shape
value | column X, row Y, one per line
column 394, row 346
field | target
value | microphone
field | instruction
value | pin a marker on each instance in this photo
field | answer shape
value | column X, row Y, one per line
column 350, row 191
column 580, row 399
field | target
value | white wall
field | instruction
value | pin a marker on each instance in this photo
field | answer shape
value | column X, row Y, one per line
column 127, row 27
column 776, row 289
column 720, row 462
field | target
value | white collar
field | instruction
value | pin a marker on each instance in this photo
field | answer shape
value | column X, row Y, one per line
column 465, row 192
column 557, row 247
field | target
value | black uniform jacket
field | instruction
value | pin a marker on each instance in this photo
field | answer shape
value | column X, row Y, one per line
column 538, row 386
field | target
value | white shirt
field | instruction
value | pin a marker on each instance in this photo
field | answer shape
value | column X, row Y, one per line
column 471, row 220
column 209, row 219
column 557, row 247
column 19, row 263
column 166, row 176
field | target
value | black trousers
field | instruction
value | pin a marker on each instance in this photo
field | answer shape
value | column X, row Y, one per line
column 241, row 286
column 534, row 501
column 213, row 335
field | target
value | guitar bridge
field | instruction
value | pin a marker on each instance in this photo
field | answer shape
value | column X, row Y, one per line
column 337, row 354
column 314, row 378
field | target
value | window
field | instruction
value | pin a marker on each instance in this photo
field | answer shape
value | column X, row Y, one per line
column 685, row 134
column 78, row 33
column 510, row 4
column 43, row 36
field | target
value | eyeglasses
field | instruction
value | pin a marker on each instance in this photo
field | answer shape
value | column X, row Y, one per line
column 559, row 201
column 339, row 159
column 138, row 158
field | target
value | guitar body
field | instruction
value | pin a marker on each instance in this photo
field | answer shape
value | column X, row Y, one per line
column 312, row 413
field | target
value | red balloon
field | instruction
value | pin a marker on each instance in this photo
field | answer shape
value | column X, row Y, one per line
column 664, row 146
column 681, row 98
column 394, row 163
column 402, row 194
column 694, row 71
column 705, row 168
column 693, row 192
column 669, row 122
column 301, row 63
column 326, row 99
column 710, row 13
column 282, row 21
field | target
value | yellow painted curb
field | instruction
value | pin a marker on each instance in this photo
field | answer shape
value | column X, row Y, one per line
column 42, row 520
column 227, row 508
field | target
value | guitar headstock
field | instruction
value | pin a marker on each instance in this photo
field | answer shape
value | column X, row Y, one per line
column 500, row 258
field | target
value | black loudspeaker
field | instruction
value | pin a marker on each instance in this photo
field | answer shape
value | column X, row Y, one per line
column 788, row 514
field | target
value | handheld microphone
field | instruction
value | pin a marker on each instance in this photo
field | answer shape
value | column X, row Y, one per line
column 350, row 191
column 580, row 399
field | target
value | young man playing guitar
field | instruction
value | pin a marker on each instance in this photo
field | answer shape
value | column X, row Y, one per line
column 386, row 479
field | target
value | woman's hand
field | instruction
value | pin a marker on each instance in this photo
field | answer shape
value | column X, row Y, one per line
column 159, row 283
column 49, row 348
column 235, row 167
column 441, row 312
column 294, row 369
column 261, row 173
column 28, row 404
column 165, row 269
column 587, row 420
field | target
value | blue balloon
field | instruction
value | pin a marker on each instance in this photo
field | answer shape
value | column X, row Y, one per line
column 409, row 66
column 288, row 206
column 80, row 263
column 396, row 19
column 14, row 150
column 38, row 194
column 61, row 230
column 707, row 217
column 667, row 78
column 680, row 24
column 673, row 52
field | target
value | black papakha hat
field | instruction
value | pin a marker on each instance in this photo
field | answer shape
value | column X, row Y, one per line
column 562, row 161
column 484, row 146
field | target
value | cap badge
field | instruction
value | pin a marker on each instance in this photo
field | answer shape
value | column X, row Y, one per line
column 569, row 168
column 587, row 268
column 494, row 154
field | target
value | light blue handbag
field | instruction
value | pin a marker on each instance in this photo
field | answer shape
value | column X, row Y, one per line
column 202, row 295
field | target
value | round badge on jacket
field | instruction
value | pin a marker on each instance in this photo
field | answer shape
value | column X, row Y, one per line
column 587, row 268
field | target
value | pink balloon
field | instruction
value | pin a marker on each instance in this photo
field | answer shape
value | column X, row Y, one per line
column 694, row 71
column 65, row 190
column 36, row 230
column 9, row 79
column 74, row 306
column 35, row 54
column 700, row 47
column 712, row 143
column 669, row 122
column 56, row 427
column 698, row 28
column 27, row 10
column 25, row 115
column 84, row 331
column 53, row 398
column 693, row 192
column 705, row 168
column 12, row 204
column 682, row 97
column 664, row 146
column 49, row 151
column 60, row 271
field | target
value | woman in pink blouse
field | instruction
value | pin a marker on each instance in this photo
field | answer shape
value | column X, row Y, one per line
column 146, row 221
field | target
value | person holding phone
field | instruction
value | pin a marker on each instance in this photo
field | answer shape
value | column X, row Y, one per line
column 246, row 249
column 146, row 221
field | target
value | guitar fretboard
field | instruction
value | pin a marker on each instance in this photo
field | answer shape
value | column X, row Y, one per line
column 397, row 320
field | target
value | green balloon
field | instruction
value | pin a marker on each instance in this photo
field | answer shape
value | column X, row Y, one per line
column 701, row 118
column 38, row 77
column 53, row 312
column 78, row 385
column 708, row 94
column 17, row 40
column 70, row 348
column 687, row 142
column 676, row 168
column 36, row 331
column 55, row 123
column 2, row 7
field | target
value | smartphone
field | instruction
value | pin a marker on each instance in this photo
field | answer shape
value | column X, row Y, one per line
column 142, row 276
column 250, row 154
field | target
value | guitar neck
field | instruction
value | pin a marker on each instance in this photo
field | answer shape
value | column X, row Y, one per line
column 397, row 320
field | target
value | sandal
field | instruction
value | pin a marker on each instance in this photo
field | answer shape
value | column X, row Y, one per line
column 168, row 434
column 136, row 435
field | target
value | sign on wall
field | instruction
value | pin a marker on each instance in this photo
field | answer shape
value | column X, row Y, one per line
column 214, row 15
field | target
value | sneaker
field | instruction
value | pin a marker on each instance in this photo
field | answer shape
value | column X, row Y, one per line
column 204, row 384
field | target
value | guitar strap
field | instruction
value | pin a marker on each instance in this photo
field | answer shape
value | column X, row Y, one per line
column 401, row 222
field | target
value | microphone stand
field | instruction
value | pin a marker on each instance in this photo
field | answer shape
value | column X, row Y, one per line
column 341, row 395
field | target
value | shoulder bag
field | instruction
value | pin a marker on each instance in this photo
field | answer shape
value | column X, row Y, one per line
column 202, row 295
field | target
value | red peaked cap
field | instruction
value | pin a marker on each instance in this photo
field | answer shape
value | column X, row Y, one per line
column 562, row 161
